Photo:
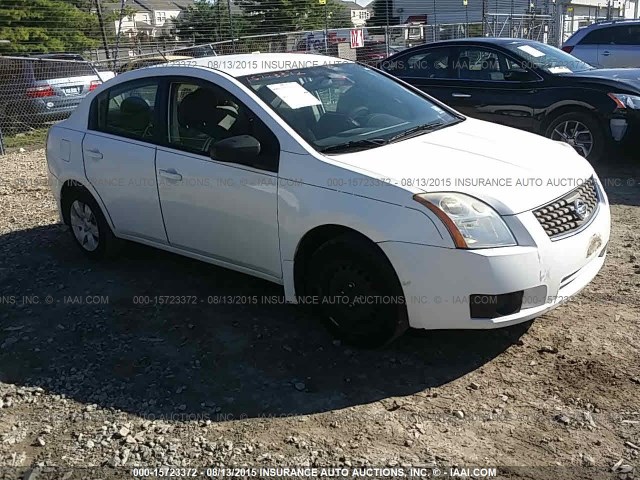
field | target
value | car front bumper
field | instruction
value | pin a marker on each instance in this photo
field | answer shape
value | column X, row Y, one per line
column 440, row 283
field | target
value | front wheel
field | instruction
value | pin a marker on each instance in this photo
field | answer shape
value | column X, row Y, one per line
column 359, row 296
column 580, row 130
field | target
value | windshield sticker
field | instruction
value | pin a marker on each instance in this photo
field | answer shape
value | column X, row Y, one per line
column 294, row 94
column 531, row 51
column 561, row 69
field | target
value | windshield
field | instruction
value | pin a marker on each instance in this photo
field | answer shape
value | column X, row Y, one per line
column 346, row 104
column 550, row 59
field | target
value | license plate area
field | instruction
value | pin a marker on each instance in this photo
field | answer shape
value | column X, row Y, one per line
column 71, row 90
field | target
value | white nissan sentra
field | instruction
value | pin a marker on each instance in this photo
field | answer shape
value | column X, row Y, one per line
column 359, row 194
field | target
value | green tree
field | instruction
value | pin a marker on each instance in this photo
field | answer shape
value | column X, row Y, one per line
column 382, row 9
column 206, row 22
column 42, row 26
column 278, row 16
column 338, row 16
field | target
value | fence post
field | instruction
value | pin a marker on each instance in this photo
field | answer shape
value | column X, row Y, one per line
column 2, row 151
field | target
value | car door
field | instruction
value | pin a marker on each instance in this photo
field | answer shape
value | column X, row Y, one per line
column 223, row 211
column 593, row 44
column 489, row 85
column 119, row 157
column 427, row 68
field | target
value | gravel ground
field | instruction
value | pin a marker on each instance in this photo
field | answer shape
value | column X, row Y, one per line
column 88, row 377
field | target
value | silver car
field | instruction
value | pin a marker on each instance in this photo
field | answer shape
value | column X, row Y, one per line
column 612, row 44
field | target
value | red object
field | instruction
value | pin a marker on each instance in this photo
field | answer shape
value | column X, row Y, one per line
column 94, row 84
column 40, row 92
column 422, row 19
column 567, row 49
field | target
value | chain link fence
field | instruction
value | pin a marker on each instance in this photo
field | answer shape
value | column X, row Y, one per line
column 37, row 90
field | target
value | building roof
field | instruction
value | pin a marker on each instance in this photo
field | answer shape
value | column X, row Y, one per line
column 162, row 4
column 149, row 5
column 353, row 6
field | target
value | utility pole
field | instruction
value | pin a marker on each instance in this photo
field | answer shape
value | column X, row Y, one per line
column 233, row 40
column 388, row 5
column 103, row 32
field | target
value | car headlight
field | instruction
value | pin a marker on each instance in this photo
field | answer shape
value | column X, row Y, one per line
column 470, row 222
column 626, row 101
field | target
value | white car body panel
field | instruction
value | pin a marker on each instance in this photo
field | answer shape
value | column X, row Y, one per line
column 234, row 209
column 253, row 221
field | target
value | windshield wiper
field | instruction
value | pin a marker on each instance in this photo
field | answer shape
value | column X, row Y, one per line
column 355, row 144
column 426, row 127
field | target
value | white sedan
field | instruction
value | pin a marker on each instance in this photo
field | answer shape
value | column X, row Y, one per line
column 359, row 194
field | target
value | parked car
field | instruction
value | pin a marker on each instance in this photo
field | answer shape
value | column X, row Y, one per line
column 531, row 86
column 142, row 62
column 364, row 197
column 43, row 88
column 613, row 44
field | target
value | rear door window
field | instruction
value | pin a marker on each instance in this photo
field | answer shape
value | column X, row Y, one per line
column 127, row 110
column 627, row 35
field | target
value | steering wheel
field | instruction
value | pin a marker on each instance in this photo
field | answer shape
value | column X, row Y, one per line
column 357, row 113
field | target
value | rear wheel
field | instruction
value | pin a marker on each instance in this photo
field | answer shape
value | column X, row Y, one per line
column 359, row 296
column 580, row 130
column 88, row 227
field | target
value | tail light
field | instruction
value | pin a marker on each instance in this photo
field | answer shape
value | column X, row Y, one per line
column 94, row 84
column 40, row 92
column 567, row 48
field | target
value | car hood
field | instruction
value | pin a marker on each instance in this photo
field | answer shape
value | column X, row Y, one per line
column 511, row 170
column 628, row 76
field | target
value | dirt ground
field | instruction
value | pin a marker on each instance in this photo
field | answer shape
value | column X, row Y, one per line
column 89, row 377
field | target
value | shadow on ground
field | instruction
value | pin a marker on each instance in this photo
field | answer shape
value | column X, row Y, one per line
column 216, row 361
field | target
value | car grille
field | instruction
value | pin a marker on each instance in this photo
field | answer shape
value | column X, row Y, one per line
column 570, row 212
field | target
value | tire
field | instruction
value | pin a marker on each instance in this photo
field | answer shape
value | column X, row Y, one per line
column 89, row 229
column 565, row 126
column 351, row 279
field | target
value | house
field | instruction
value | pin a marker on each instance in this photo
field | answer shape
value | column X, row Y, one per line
column 153, row 18
column 359, row 14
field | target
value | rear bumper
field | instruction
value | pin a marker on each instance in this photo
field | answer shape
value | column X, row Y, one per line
column 43, row 110
column 440, row 283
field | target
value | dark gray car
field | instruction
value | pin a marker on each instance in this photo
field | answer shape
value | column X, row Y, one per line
column 39, row 89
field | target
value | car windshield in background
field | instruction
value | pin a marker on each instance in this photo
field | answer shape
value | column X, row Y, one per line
column 345, row 106
column 550, row 59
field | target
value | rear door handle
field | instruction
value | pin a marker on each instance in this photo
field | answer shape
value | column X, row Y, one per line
column 171, row 174
column 94, row 153
column 606, row 53
column 461, row 95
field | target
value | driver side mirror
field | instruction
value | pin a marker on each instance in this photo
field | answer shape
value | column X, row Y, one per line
column 242, row 149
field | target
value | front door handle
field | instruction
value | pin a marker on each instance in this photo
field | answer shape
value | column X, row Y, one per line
column 606, row 53
column 460, row 95
column 171, row 174
column 94, row 153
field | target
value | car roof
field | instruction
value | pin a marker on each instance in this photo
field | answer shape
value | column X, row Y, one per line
column 468, row 41
column 238, row 65
column 579, row 34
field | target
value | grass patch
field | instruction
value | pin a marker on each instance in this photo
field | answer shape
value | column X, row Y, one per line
column 30, row 139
